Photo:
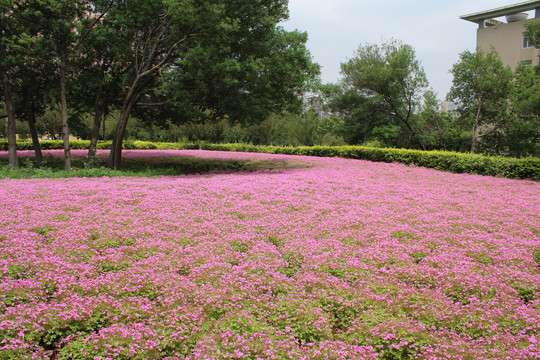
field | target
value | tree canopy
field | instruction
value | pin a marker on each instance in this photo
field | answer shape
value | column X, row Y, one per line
column 380, row 91
column 383, row 99
column 499, row 105
column 226, row 58
column 533, row 32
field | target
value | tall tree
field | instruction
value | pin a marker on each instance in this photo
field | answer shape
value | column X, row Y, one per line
column 98, row 83
column 217, row 49
column 35, row 83
column 437, row 130
column 246, row 73
column 481, row 87
column 8, row 40
column 55, row 21
column 384, row 83
column 60, row 23
column 154, row 33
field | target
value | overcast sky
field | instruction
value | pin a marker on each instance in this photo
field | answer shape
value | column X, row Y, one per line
column 336, row 28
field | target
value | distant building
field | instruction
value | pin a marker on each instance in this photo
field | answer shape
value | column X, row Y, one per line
column 313, row 101
column 506, row 34
column 448, row 106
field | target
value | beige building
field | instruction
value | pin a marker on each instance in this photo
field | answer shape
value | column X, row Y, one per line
column 449, row 107
column 503, row 29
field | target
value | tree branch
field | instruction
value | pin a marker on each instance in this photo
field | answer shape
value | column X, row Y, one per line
column 167, row 56
column 152, row 104
column 96, row 20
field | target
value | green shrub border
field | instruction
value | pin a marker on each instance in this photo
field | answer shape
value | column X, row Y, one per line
column 526, row 168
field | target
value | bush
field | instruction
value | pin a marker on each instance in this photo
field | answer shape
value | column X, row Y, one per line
column 526, row 168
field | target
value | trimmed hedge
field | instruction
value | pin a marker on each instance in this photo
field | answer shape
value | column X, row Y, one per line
column 85, row 144
column 526, row 168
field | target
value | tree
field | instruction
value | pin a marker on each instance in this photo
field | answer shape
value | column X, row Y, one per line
column 533, row 32
column 225, row 58
column 213, row 55
column 52, row 21
column 381, row 89
column 437, row 130
column 522, row 133
column 57, row 20
column 30, row 88
column 50, row 121
column 153, row 33
column 59, row 23
column 98, row 84
column 8, row 40
column 481, row 87
column 35, row 79
column 247, row 74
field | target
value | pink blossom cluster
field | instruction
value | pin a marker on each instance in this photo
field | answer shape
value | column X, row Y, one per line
column 322, row 258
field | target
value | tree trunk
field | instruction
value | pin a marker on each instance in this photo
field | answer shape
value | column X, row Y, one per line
column 475, row 127
column 8, row 99
column 98, row 116
column 104, row 124
column 441, row 138
column 115, row 158
column 30, row 117
column 65, row 127
column 411, row 134
column 12, row 132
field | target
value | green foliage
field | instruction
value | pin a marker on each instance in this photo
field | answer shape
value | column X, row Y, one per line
column 248, row 69
column 380, row 94
column 499, row 105
column 436, row 128
column 17, row 272
column 522, row 128
column 308, row 129
column 379, row 104
column 231, row 59
column 533, row 32
column 299, row 318
column 526, row 168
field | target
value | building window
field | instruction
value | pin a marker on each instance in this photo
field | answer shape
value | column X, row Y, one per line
column 525, row 42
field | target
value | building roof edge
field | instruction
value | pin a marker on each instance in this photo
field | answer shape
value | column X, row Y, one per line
column 505, row 10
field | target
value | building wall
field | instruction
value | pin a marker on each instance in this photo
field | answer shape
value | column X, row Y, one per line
column 507, row 39
column 448, row 106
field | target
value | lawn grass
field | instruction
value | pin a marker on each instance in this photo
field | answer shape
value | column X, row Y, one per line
column 53, row 166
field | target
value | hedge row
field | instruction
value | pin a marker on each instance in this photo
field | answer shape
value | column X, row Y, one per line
column 85, row 144
column 527, row 168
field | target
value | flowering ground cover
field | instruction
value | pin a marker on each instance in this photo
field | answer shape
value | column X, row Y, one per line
column 300, row 258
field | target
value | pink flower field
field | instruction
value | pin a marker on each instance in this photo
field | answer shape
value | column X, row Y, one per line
column 313, row 258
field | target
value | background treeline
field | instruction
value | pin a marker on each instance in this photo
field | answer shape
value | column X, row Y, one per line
column 222, row 72
column 286, row 129
column 495, row 111
column 384, row 100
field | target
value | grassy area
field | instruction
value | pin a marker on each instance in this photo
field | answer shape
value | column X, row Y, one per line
column 139, row 167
